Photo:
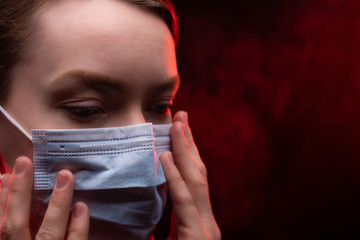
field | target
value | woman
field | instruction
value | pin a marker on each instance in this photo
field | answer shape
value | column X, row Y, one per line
column 91, row 64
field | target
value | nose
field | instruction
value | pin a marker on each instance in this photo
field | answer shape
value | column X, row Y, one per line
column 130, row 116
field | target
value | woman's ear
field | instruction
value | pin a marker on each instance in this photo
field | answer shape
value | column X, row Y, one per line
column 13, row 144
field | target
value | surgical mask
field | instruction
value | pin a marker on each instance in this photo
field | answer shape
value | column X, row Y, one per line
column 117, row 174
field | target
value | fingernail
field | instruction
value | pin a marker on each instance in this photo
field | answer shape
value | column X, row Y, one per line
column 61, row 180
column 5, row 180
column 19, row 167
column 78, row 210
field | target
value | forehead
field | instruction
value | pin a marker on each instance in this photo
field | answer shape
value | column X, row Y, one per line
column 95, row 15
column 107, row 32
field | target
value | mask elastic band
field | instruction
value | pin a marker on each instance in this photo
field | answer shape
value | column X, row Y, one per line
column 16, row 124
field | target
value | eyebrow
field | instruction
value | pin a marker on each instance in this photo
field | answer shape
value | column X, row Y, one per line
column 96, row 80
column 172, row 83
column 88, row 78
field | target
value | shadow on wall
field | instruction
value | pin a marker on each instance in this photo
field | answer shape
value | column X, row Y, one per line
column 273, row 93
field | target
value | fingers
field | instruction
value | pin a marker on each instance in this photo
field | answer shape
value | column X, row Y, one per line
column 182, row 116
column 189, row 169
column 15, row 207
column 182, row 201
column 79, row 223
column 15, row 223
column 182, row 150
column 57, row 214
column 191, row 172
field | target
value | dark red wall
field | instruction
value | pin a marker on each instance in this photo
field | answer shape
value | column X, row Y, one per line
column 273, row 93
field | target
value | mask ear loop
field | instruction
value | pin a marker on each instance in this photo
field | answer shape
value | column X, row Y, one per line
column 16, row 124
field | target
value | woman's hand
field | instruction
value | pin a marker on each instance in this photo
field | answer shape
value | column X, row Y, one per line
column 15, row 200
column 187, row 180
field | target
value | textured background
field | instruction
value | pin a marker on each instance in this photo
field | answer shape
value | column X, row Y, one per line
column 272, row 89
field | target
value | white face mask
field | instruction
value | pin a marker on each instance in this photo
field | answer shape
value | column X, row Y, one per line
column 117, row 174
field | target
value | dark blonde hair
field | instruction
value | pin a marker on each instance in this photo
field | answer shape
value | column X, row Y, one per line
column 15, row 30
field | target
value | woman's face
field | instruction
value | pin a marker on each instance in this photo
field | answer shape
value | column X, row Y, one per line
column 90, row 64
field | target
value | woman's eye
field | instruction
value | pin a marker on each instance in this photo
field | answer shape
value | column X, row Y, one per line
column 161, row 109
column 83, row 113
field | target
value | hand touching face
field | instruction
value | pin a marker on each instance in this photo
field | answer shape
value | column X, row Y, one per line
column 187, row 178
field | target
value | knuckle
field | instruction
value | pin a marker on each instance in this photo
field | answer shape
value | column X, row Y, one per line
column 187, row 200
column 45, row 234
column 57, row 204
column 184, row 198
column 16, row 189
column 19, row 190
column 198, row 183
column 8, row 229
column 77, row 231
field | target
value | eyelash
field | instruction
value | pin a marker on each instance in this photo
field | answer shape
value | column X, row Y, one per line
column 83, row 113
column 87, row 114
column 162, row 109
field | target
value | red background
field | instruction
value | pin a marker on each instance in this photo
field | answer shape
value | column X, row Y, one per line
column 272, row 89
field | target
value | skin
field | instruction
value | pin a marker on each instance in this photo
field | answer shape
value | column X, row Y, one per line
column 102, row 64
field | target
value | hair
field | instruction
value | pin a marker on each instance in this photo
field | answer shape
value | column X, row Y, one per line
column 15, row 30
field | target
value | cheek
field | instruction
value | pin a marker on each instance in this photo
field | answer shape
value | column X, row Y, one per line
column 13, row 143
